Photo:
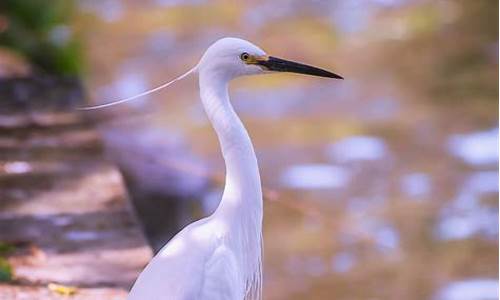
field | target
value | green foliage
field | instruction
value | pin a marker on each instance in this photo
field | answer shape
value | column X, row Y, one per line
column 6, row 248
column 40, row 30
column 5, row 267
column 5, row 270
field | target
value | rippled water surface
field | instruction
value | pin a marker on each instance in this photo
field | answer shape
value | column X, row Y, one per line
column 381, row 186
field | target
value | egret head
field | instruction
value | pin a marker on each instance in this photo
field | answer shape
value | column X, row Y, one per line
column 228, row 58
column 233, row 57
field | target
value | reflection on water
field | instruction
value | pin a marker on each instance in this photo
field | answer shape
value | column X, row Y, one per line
column 357, row 148
column 343, row 262
column 483, row 182
column 416, row 185
column 476, row 148
column 17, row 167
column 314, row 176
column 386, row 238
column 467, row 215
column 473, row 289
column 374, row 178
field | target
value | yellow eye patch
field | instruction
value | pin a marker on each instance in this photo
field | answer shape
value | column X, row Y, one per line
column 252, row 59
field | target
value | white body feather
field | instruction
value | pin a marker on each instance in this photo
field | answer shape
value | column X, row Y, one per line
column 218, row 257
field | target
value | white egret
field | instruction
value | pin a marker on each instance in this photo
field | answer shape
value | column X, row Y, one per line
column 219, row 257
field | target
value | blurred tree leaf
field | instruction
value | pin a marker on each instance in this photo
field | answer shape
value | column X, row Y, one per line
column 6, row 248
column 41, row 31
column 5, row 270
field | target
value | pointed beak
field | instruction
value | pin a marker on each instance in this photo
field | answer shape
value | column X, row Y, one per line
column 281, row 65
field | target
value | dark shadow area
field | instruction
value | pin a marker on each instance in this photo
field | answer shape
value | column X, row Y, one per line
column 66, row 233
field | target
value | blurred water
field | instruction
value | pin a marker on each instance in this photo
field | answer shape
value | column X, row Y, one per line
column 314, row 176
column 416, row 185
column 467, row 215
column 17, row 167
column 343, row 262
column 357, row 148
column 386, row 238
column 477, row 148
column 387, row 180
column 472, row 289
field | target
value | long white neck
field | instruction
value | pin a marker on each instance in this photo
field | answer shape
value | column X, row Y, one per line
column 241, row 203
column 243, row 187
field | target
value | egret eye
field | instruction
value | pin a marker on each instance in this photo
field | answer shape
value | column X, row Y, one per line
column 245, row 56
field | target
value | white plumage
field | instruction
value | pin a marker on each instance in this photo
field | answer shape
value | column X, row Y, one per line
column 219, row 257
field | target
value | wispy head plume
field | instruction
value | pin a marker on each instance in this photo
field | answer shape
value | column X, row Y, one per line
column 141, row 94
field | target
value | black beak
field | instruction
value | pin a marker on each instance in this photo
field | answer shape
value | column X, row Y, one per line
column 282, row 65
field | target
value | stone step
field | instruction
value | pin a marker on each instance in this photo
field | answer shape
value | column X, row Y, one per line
column 65, row 210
